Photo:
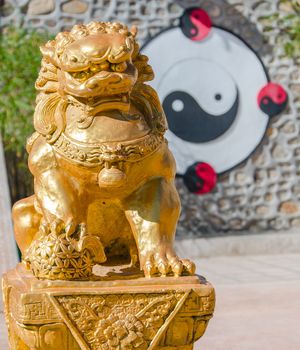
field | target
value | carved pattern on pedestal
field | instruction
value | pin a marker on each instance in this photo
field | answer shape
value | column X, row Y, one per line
column 198, row 304
column 33, row 310
column 119, row 321
column 106, row 315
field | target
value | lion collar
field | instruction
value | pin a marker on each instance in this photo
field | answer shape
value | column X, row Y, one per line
column 111, row 152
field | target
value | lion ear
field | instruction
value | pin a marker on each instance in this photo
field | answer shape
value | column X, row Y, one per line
column 134, row 30
column 49, row 53
column 145, row 72
column 147, row 100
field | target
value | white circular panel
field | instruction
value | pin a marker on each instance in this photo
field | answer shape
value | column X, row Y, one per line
column 214, row 72
column 202, row 81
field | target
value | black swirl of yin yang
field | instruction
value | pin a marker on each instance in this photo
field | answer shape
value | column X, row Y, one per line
column 190, row 122
column 204, row 108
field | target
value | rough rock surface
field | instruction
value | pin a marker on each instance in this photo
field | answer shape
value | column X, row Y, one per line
column 75, row 6
column 40, row 7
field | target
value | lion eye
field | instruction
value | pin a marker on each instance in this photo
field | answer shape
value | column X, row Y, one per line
column 104, row 65
column 99, row 67
column 83, row 75
column 119, row 67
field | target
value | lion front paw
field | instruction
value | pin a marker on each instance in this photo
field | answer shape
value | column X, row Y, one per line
column 166, row 262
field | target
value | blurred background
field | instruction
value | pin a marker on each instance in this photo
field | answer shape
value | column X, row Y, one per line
column 227, row 73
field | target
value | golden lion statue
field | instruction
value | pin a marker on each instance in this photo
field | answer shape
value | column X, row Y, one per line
column 103, row 173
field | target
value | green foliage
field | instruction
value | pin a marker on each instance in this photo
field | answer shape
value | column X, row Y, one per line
column 20, row 60
column 290, row 28
column 287, row 23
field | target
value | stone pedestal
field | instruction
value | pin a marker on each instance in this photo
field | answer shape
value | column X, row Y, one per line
column 158, row 313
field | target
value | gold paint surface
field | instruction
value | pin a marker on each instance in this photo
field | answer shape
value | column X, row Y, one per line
column 104, row 176
column 158, row 313
column 99, row 270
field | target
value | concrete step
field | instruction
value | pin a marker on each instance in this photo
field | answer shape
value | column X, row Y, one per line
column 247, row 244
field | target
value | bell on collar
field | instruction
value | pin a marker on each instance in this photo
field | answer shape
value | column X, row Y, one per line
column 111, row 176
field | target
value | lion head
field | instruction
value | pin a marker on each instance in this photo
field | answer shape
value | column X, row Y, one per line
column 98, row 65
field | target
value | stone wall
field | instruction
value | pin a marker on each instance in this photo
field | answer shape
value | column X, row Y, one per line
column 263, row 193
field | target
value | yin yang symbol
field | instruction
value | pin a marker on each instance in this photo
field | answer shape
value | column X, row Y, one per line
column 195, row 114
column 215, row 92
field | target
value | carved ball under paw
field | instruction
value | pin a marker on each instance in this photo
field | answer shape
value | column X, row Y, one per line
column 56, row 257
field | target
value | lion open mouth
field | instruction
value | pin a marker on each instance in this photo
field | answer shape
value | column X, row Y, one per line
column 95, row 104
column 95, row 101
column 124, row 98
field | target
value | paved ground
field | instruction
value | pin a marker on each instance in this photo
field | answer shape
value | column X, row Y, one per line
column 258, row 303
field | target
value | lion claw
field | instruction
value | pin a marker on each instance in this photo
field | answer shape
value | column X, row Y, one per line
column 164, row 264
